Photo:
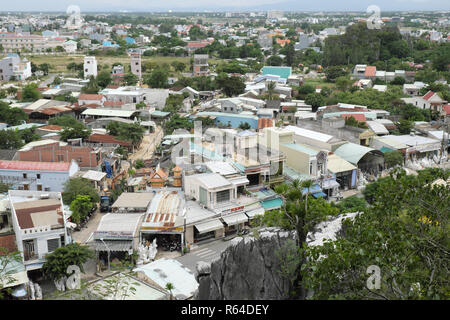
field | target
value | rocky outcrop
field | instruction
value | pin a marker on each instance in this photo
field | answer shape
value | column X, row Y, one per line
column 247, row 269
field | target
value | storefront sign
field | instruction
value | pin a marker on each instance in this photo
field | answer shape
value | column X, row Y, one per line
column 112, row 235
column 233, row 210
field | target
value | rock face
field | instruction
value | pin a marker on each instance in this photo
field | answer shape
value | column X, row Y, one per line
column 247, row 269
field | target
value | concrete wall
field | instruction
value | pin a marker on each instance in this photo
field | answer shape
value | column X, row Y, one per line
column 54, row 153
column 297, row 160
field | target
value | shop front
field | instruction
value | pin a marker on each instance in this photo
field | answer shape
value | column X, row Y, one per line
column 205, row 230
column 234, row 222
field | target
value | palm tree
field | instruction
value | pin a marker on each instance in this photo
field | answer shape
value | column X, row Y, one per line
column 170, row 287
column 307, row 184
column 271, row 89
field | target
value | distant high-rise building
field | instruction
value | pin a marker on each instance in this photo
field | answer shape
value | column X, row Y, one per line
column 136, row 67
column 275, row 14
column 90, row 67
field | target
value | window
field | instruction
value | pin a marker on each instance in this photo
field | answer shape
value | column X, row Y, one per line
column 39, row 187
column 52, row 244
column 24, row 175
column 47, row 189
column 223, row 196
column 38, row 176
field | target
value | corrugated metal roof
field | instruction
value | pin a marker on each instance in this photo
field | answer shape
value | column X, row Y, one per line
column 315, row 135
column 352, row 152
column 336, row 164
column 34, row 165
column 302, row 148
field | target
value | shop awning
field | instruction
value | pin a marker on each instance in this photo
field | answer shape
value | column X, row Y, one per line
column 319, row 194
column 208, row 226
column 256, row 212
column 314, row 189
column 329, row 184
column 234, row 219
column 113, row 245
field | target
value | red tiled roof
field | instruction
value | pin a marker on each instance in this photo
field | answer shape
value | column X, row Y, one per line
column 358, row 116
column 428, row 95
column 86, row 96
column 113, row 103
column 24, row 214
column 34, row 165
column 265, row 123
column 446, row 108
column 196, row 44
column 51, row 127
column 52, row 110
column 106, row 138
column 370, row 71
column 8, row 242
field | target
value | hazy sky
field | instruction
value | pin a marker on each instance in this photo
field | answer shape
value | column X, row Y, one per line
column 236, row 5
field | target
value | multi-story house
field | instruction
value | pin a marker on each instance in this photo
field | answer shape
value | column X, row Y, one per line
column 90, row 67
column 39, row 225
column 201, row 66
column 136, row 67
column 14, row 67
column 56, row 151
column 37, row 176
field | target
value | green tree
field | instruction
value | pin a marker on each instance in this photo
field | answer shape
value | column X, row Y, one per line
column 79, row 186
column 244, row 126
column 393, row 158
column 75, row 132
column 7, row 261
column 334, row 72
column 398, row 81
column 130, row 79
column 404, row 126
column 169, row 287
column 274, row 61
column 315, row 100
column 104, row 79
column 139, row 164
column 157, row 79
column 10, row 139
column 80, row 208
column 301, row 213
column 404, row 233
column 56, row 262
column 352, row 204
column 11, row 116
column 92, row 87
column 31, row 93
column 231, row 86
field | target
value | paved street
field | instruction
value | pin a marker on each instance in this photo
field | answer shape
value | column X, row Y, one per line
column 205, row 252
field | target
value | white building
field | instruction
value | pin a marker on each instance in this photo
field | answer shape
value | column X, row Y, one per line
column 90, row 67
column 37, row 176
column 13, row 66
column 39, row 225
column 70, row 46
column 211, row 189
